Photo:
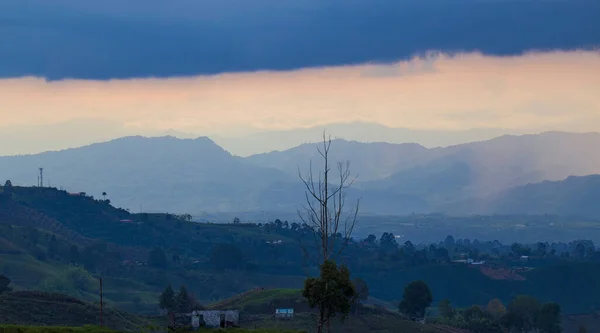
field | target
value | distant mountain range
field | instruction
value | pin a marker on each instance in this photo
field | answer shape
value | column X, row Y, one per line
column 32, row 139
column 573, row 196
column 266, row 141
column 507, row 174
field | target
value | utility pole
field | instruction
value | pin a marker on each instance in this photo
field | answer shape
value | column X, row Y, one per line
column 101, row 303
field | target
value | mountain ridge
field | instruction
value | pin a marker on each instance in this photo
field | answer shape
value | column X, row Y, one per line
column 197, row 175
column 251, row 144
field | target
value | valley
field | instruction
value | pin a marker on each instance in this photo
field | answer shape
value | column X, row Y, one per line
column 55, row 242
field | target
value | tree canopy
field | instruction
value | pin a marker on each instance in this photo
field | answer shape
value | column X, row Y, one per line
column 183, row 301
column 445, row 308
column 157, row 258
column 167, row 299
column 332, row 293
column 417, row 298
column 180, row 302
column 362, row 289
column 226, row 256
column 4, row 282
column 496, row 308
column 548, row 318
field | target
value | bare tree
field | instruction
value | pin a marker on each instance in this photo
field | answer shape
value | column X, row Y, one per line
column 324, row 210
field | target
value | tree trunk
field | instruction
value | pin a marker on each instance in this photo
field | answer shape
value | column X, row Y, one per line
column 321, row 320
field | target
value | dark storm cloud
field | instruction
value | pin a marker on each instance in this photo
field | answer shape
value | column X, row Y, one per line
column 134, row 38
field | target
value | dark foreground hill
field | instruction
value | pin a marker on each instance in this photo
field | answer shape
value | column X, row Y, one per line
column 50, row 309
column 257, row 307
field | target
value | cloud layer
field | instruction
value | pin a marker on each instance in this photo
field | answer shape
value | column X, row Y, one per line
column 534, row 92
column 142, row 38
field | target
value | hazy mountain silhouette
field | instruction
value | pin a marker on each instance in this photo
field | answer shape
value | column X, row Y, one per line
column 369, row 160
column 36, row 138
column 196, row 175
column 268, row 141
column 162, row 173
column 573, row 196
column 485, row 166
column 33, row 139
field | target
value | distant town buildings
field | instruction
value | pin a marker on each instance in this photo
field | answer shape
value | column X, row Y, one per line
column 279, row 241
column 469, row 261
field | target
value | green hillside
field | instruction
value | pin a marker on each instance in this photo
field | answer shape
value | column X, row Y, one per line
column 260, row 301
column 48, row 309
column 53, row 241
column 387, row 323
column 96, row 329
column 41, row 227
column 53, row 329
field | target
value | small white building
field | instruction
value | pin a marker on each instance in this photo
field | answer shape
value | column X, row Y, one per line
column 216, row 318
column 284, row 313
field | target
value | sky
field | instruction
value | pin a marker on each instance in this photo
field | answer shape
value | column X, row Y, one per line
column 77, row 71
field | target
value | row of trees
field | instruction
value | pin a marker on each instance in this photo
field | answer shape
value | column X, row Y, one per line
column 180, row 302
column 523, row 314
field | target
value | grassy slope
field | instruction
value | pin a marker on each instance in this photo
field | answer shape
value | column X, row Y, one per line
column 25, row 271
column 385, row 323
column 57, row 329
column 263, row 301
column 47, row 309
column 591, row 322
column 96, row 329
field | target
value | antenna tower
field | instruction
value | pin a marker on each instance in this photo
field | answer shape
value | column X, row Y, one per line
column 41, row 177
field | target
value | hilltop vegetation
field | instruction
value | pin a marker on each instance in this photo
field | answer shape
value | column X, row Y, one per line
column 259, row 305
column 261, row 301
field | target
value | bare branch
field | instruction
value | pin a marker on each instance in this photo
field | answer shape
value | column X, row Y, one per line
column 325, row 204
